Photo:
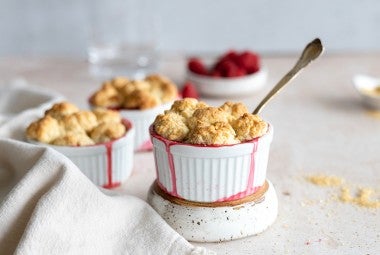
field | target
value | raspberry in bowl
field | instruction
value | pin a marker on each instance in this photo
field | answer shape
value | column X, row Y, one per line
column 137, row 100
column 210, row 154
column 233, row 74
column 98, row 142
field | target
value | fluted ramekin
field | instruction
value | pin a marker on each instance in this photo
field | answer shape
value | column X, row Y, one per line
column 106, row 164
column 141, row 120
column 211, row 173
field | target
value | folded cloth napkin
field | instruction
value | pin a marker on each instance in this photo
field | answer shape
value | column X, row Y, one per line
column 20, row 104
column 55, row 209
column 47, row 206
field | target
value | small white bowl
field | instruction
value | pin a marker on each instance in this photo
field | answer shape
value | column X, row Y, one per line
column 211, row 173
column 107, row 164
column 364, row 85
column 228, row 87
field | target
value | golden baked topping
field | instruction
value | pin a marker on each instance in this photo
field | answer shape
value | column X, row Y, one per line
column 107, row 131
column 73, row 139
column 46, row 129
column 195, row 122
column 135, row 94
column 235, row 110
column 249, row 126
column 61, row 109
column 187, row 106
column 108, row 96
column 64, row 124
column 104, row 115
column 140, row 99
column 171, row 125
column 215, row 133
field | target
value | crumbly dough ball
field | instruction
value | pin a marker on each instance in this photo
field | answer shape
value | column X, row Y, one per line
column 70, row 124
column 207, row 116
column 140, row 99
column 235, row 110
column 107, row 96
column 249, row 126
column 59, row 110
column 44, row 130
column 104, row 115
column 73, row 139
column 171, row 125
column 132, row 86
column 119, row 82
column 86, row 119
column 218, row 133
column 107, row 131
column 162, row 87
column 187, row 106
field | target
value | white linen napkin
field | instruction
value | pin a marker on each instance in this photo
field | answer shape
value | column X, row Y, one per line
column 55, row 209
column 52, row 208
column 20, row 104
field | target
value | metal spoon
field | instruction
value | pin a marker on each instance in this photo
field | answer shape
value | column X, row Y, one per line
column 311, row 52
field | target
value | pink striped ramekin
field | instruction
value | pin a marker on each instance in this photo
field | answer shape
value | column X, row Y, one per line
column 106, row 164
column 211, row 173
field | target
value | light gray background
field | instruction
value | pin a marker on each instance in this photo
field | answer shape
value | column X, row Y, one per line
column 54, row 27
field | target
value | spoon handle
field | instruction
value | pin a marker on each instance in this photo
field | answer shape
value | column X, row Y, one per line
column 310, row 53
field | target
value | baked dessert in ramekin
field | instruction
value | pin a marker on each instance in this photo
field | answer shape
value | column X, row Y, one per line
column 137, row 100
column 210, row 154
column 99, row 142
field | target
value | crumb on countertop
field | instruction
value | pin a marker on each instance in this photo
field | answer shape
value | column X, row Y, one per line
column 325, row 180
column 363, row 197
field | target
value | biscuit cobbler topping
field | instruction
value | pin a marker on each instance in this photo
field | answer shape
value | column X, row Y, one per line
column 195, row 122
column 66, row 125
column 143, row 94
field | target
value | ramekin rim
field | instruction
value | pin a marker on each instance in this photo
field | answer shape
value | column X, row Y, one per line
column 153, row 133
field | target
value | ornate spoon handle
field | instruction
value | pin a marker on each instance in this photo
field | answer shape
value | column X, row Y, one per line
column 312, row 51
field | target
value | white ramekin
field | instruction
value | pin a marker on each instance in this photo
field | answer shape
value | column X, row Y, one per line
column 107, row 164
column 141, row 120
column 228, row 86
column 211, row 173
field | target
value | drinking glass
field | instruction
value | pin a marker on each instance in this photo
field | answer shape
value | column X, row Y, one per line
column 122, row 37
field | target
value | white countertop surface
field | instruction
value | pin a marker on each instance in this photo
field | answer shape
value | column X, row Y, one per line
column 320, row 127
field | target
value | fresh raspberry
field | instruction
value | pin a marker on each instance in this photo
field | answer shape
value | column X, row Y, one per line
column 230, row 55
column 189, row 90
column 196, row 65
column 215, row 73
column 227, row 68
column 241, row 72
column 249, row 61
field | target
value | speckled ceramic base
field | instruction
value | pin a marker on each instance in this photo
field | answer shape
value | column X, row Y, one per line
column 221, row 221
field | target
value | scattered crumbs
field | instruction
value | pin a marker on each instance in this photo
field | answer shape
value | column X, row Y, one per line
column 325, row 180
column 362, row 198
column 374, row 114
column 286, row 193
column 308, row 202
column 345, row 195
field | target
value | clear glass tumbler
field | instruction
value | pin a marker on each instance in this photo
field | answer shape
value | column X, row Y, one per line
column 122, row 37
